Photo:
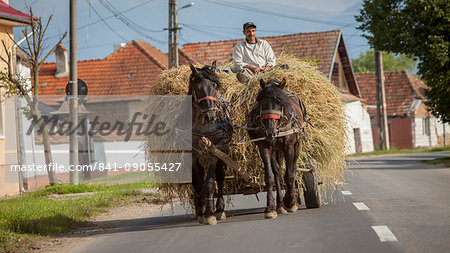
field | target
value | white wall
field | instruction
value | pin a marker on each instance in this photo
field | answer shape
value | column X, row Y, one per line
column 440, row 132
column 436, row 129
column 358, row 117
column 422, row 139
column 111, row 153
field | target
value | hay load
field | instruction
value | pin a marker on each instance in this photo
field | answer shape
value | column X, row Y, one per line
column 325, row 141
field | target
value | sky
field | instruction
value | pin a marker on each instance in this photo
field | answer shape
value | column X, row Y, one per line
column 207, row 20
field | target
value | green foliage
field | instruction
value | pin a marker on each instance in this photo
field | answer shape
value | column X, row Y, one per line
column 401, row 151
column 366, row 62
column 443, row 160
column 33, row 214
column 69, row 188
column 417, row 29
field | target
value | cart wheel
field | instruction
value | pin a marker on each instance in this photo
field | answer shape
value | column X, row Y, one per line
column 311, row 190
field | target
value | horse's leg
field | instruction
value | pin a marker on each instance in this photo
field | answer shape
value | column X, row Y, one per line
column 291, row 155
column 208, row 190
column 270, row 211
column 198, row 173
column 220, row 177
column 276, row 161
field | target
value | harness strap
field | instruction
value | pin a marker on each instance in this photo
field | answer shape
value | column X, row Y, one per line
column 271, row 116
column 207, row 98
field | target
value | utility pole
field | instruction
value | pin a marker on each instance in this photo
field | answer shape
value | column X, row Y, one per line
column 73, row 98
column 173, row 34
column 381, row 102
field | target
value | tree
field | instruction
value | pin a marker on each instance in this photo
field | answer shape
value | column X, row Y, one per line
column 15, row 85
column 419, row 29
column 366, row 62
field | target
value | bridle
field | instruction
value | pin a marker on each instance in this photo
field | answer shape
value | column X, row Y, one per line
column 273, row 115
column 196, row 103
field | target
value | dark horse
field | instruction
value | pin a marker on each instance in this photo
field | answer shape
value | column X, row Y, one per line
column 210, row 118
column 279, row 117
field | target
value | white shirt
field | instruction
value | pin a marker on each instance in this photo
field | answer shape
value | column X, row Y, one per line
column 262, row 55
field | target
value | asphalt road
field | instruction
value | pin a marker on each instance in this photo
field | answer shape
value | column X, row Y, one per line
column 391, row 204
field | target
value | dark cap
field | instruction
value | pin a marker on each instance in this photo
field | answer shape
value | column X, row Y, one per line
column 248, row 24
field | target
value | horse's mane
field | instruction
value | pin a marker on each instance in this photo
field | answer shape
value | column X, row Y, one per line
column 272, row 90
column 205, row 72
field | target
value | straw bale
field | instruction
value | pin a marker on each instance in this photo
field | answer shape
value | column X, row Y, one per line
column 325, row 141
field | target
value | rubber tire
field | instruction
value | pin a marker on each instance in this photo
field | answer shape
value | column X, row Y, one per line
column 311, row 191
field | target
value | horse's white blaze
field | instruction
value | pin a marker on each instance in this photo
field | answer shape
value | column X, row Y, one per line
column 384, row 233
column 361, row 206
column 346, row 193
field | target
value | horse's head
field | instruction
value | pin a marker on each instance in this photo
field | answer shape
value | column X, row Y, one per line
column 203, row 85
column 272, row 101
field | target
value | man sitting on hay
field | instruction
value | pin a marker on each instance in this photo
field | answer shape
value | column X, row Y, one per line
column 252, row 55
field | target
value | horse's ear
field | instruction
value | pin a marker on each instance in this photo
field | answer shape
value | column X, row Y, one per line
column 193, row 69
column 213, row 66
column 283, row 83
column 262, row 83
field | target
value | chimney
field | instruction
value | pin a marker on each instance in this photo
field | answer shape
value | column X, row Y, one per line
column 119, row 46
column 62, row 66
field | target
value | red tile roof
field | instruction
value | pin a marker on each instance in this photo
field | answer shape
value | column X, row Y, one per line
column 401, row 90
column 9, row 13
column 130, row 70
column 317, row 45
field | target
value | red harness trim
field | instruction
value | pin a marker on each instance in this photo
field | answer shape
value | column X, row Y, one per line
column 207, row 98
column 271, row 116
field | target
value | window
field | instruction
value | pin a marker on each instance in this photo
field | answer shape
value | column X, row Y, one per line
column 426, row 126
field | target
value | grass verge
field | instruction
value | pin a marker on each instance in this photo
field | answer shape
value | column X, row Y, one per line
column 443, row 160
column 400, row 151
column 25, row 218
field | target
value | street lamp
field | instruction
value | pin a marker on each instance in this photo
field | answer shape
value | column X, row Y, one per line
column 186, row 6
column 173, row 32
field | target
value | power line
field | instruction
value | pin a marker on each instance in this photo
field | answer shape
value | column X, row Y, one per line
column 272, row 13
column 209, row 28
column 235, row 29
column 209, row 33
column 124, row 11
column 95, row 11
column 28, row 5
column 106, row 18
column 127, row 22
column 123, row 18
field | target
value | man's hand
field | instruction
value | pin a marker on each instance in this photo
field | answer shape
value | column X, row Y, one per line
column 266, row 68
column 256, row 70
column 253, row 69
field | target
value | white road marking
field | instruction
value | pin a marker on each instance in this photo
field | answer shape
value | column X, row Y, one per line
column 361, row 206
column 384, row 233
column 346, row 192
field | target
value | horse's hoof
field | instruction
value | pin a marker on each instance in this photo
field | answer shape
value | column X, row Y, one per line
column 270, row 215
column 200, row 219
column 211, row 220
column 281, row 210
column 293, row 209
column 221, row 216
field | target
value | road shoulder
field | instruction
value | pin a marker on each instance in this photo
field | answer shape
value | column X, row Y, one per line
column 113, row 218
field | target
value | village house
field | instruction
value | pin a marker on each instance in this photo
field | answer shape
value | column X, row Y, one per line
column 328, row 48
column 117, row 86
column 410, row 124
column 9, row 182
